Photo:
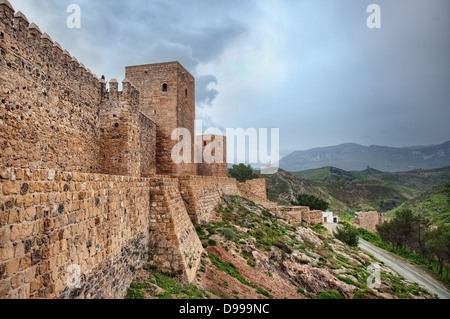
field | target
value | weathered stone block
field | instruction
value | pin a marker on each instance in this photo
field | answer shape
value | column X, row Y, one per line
column 10, row 188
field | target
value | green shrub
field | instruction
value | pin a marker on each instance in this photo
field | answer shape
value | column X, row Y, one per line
column 329, row 294
column 212, row 242
column 229, row 234
column 348, row 234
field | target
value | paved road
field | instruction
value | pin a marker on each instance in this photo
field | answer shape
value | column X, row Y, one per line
column 406, row 269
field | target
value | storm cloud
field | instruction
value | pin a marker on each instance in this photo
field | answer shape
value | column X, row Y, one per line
column 311, row 68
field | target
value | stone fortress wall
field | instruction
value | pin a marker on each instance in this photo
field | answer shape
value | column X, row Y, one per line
column 86, row 175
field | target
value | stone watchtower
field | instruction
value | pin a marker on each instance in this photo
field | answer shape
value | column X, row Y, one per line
column 167, row 96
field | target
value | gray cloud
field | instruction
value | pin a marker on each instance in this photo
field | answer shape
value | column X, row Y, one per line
column 311, row 68
column 118, row 33
column 206, row 94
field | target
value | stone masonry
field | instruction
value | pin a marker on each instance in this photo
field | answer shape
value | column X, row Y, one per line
column 369, row 221
column 51, row 219
column 78, row 171
column 167, row 97
column 86, row 174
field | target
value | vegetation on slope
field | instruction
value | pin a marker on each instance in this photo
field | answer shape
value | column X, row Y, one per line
column 413, row 238
column 433, row 205
column 252, row 253
column 354, row 191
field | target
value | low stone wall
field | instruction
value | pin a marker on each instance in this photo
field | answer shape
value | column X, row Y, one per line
column 312, row 217
column 369, row 221
column 202, row 195
column 50, row 220
column 254, row 188
column 293, row 214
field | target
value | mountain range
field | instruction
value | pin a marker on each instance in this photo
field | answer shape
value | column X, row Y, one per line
column 369, row 189
column 355, row 157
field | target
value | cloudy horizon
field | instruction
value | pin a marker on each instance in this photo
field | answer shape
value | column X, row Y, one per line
column 313, row 69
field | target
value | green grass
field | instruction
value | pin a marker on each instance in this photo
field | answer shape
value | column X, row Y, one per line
column 329, row 294
column 346, row 216
column 227, row 268
column 399, row 289
column 364, row 293
column 173, row 288
column 231, row 270
column 136, row 291
column 433, row 204
column 346, row 280
column 319, row 228
column 229, row 234
column 374, row 239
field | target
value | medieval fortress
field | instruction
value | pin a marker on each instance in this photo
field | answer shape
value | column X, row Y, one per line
column 86, row 172
column 89, row 190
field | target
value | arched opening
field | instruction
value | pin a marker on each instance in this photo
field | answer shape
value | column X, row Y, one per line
column 165, row 87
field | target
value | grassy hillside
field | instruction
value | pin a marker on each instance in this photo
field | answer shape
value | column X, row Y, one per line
column 433, row 204
column 251, row 253
column 372, row 189
column 284, row 188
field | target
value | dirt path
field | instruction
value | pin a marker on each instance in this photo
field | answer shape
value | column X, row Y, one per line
column 406, row 269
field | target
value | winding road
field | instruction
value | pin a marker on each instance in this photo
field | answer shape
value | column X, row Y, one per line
column 405, row 269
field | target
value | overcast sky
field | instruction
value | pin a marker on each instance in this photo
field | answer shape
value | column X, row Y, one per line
column 311, row 68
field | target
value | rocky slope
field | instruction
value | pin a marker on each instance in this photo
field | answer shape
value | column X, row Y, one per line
column 353, row 191
column 252, row 253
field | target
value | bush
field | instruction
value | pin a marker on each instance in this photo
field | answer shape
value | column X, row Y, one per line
column 242, row 173
column 348, row 234
column 228, row 234
column 312, row 202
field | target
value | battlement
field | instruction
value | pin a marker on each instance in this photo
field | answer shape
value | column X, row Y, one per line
column 129, row 92
column 23, row 42
column 86, row 172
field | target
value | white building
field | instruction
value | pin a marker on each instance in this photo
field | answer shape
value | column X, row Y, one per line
column 329, row 218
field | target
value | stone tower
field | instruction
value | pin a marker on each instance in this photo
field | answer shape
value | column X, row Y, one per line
column 167, row 96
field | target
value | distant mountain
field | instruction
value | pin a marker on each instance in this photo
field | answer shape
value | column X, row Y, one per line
column 355, row 157
column 369, row 189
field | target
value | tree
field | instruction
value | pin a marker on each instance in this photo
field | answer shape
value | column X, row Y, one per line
column 242, row 173
column 404, row 230
column 388, row 232
column 347, row 233
column 437, row 243
column 311, row 201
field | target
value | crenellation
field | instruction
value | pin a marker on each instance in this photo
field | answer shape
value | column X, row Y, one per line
column 34, row 30
column 86, row 174
column 21, row 25
column 57, row 48
column 114, row 89
column 66, row 57
column 102, row 86
column 7, row 16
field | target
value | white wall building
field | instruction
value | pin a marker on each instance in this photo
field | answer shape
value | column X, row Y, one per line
column 329, row 218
